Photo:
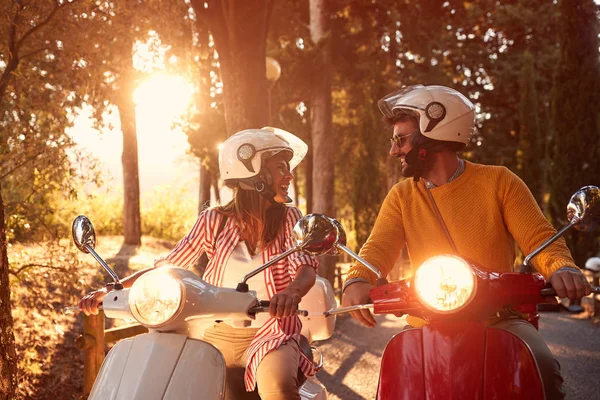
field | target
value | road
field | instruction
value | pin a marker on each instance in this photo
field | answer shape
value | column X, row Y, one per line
column 353, row 354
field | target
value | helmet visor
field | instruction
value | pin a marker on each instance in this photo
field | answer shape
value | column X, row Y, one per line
column 294, row 144
column 390, row 101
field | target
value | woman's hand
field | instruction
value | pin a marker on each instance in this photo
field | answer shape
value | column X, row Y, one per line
column 90, row 302
column 285, row 303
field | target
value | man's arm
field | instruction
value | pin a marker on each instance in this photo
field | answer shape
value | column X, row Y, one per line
column 530, row 228
column 382, row 249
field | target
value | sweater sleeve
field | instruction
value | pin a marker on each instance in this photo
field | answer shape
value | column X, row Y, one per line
column 295, row 260
column 385, row 242
column 530, row 228
column 188, row 250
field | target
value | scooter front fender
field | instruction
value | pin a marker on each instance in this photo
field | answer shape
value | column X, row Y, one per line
column 458, row 361
column 161, row 366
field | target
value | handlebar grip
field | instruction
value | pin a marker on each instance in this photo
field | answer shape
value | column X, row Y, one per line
column 546, row 292
column 75, row 309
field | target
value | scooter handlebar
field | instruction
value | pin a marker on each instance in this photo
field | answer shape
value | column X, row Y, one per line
column 76, row 309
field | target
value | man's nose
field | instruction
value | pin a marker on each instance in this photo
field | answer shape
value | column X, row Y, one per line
column 394, row 150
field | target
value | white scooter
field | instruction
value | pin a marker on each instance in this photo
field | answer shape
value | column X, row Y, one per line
column 172, row 361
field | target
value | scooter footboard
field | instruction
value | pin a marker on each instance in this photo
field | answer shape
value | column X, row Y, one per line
column 161, row 366
column 458, row 361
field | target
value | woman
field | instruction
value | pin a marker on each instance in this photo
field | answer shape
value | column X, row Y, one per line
column 247, row 232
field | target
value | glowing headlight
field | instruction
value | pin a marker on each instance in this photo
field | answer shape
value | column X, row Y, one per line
column 156, row 297
column 445, row 284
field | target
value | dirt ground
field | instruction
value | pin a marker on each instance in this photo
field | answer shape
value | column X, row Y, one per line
column 48, row 278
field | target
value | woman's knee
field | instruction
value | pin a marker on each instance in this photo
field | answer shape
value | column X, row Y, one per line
column 277, row 375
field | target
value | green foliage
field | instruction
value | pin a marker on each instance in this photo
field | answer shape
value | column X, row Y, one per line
column 530, row 154
column 576, row 100
column 368, row 180
column 170, row 215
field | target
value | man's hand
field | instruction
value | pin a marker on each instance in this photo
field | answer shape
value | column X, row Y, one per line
column 358, row 293
column 285, row 303
column 90, row 302
column 571, row 283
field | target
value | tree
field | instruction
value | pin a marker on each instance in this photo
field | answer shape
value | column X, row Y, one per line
column 322, row 144
column 35, row 94
column 575, row 110
column 530, row 154
column 239, row 29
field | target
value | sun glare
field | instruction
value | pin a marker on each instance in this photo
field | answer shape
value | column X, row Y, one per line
column 162, row 98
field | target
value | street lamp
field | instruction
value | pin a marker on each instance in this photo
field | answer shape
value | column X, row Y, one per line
column 273, row 72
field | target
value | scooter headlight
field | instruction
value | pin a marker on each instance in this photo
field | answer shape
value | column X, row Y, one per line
column 445, row 284
column 156, row 297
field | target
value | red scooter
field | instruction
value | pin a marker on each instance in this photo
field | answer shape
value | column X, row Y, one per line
column 457, row 355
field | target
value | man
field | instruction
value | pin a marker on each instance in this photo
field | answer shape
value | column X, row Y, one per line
column 452, row 206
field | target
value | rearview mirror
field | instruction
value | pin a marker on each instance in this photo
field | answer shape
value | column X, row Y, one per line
column 84, row 235
column 316, row 234
column 584, row 206
column 84, row 238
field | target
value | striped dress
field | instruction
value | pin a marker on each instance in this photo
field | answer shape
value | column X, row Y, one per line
column 274, row 332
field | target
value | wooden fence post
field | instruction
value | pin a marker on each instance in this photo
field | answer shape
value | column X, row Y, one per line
column 92, row 344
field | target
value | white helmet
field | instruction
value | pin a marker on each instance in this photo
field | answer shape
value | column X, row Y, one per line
column 242, row 154
column 593, row 264
column 445, row 114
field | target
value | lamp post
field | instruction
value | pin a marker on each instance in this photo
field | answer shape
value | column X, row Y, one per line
column 273, row 72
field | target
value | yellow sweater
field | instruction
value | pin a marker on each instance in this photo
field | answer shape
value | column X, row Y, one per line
column 486, row 209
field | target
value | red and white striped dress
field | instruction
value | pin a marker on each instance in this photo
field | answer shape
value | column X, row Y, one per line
column 274, row 332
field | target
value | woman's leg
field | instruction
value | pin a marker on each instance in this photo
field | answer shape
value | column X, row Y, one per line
column 277, row 374
column 233, row 343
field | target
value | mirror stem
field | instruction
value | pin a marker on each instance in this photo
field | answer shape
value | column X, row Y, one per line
column 243, row 286
column 360, row 260
column 526, row 266
column 112, row 273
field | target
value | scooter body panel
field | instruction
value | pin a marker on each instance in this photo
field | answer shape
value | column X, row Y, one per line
column 312, row 389
column 320, row 298
column 161, row 366
column 458, row 361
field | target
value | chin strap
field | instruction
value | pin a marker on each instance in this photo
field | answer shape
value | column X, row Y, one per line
column 417, row 157
column 262, row 184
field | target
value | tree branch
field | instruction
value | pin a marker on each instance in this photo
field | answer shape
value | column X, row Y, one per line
column 57, row 7
column 31, row 53
column 27, row 266
column 19, row 165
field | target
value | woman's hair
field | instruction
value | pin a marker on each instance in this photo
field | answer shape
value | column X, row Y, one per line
column 263, row 220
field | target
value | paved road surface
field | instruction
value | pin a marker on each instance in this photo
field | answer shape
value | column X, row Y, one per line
column 352, row 355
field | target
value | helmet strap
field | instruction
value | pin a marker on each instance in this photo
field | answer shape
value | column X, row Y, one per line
column 417, row 157
column 262, row 184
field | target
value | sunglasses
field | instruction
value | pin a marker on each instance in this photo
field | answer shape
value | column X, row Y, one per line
column 400, row 140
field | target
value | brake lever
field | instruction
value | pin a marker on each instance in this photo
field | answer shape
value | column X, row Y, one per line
column 263, row 306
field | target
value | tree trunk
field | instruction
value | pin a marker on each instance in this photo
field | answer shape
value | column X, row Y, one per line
column 308, row 190
column 321, row 125
column 205, row 185
column 215, row 185
column 132, row 226
column 239, row 29
column 8, row 357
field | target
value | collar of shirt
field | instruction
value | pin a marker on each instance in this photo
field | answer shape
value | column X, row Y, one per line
column 456, row 174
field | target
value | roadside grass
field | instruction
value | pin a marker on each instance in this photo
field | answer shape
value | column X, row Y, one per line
column 46, row 278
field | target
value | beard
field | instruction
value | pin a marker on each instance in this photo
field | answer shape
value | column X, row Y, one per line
column 408, row 170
